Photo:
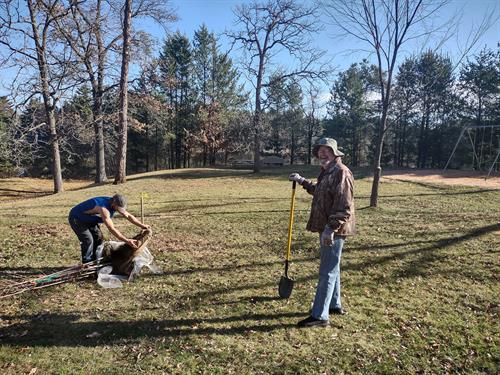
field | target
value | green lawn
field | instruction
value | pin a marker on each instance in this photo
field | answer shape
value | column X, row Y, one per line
column 420, row 282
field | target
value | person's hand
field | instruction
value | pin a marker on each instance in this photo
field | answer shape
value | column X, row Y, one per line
column 327, row 236
column 296, row 177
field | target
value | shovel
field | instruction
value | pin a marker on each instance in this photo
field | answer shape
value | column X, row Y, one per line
column 286, row 284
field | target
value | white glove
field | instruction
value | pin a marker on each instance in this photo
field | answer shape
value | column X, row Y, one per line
column 297, row 178
column 327, row 236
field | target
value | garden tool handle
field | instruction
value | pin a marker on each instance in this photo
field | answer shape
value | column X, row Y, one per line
column 290, row 225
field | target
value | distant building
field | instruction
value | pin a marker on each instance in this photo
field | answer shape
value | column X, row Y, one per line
column 272, row 161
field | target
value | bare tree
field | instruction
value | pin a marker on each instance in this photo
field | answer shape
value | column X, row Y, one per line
column 159, row 12
column 121, row 170
column 91, row 30
column 313, row 125
column 26, row 33
column 266, row 30
column 385, row 25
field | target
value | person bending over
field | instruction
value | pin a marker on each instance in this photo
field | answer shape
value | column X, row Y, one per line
column 85, row 218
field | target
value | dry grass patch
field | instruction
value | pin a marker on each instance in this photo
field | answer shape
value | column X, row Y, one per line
column 419, row 281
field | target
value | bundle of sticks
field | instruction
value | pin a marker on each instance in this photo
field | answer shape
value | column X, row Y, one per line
column 120, row 258
column 78, row 272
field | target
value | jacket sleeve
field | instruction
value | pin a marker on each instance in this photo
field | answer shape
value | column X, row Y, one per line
column 309, row 186
column 343, row 200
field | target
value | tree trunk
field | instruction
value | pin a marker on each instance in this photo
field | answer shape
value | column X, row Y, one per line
column 47, row 101
column 377, row 169
column 256, row 144
column 257, row 117
column 156, row 147
column 56, row 157
column 421, row 142
column 121, row 171
column 100, row 162
column 309, row 141
column 377, row 172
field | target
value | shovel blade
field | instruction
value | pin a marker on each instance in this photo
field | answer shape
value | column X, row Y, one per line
column 285, row 287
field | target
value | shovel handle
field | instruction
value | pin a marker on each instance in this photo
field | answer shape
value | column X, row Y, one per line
column 290, row 225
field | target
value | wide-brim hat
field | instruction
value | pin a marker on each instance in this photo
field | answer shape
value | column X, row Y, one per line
column 327, row 142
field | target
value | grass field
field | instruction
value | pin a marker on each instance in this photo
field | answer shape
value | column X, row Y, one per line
column 420, row 281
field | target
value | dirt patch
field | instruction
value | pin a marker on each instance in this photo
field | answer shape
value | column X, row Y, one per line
column 42, row 230
column 450, row 177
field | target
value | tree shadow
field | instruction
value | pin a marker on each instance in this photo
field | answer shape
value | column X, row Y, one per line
column 447, row 192
column 54, row 330
column 231, row 268
column 192, row 174
column 22, row 194
column 427, row 255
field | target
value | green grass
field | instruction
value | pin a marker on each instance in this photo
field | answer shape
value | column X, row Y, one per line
column 420, row 282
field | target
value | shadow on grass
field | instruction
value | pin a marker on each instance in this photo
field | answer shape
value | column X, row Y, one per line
column 421, row 266
column 426, row 255
column 231, row 268
column 46, row 330
column 193, row 174
column 281, row 173
column 446, row 192
column 36, row 192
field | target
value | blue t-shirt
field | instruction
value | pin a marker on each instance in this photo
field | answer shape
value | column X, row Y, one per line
column 78, row 212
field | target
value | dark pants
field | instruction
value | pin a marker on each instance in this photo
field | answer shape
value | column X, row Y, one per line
column 90, row 237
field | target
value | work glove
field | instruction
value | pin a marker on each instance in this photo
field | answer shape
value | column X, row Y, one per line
column 297, row 178
column 327, row 236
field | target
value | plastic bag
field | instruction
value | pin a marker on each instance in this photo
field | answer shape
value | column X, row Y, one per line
column 144, row 259
column 107, row 280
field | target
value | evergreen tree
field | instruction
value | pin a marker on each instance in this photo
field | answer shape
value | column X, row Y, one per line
column 175, row 65
column 480, row 82
column 350, row 110
column 434, row 83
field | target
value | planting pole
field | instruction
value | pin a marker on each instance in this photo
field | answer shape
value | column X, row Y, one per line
column 142, row 209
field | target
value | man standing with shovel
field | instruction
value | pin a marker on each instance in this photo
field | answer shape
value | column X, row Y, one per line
column 332, row 215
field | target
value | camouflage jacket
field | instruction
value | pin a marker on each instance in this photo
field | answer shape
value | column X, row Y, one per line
column 333, row 200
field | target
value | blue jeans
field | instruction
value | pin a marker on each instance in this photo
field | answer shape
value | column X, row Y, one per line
column 328, row 289
column 90, row 237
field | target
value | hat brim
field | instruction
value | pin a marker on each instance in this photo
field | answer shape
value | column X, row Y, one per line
column 336, row 152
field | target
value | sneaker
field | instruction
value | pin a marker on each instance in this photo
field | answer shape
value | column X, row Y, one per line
column 337, row 311
column 312, row 322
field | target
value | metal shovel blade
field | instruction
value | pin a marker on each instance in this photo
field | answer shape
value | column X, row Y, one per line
column 285, row 287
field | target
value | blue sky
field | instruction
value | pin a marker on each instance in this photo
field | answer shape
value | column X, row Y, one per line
column 217, row 15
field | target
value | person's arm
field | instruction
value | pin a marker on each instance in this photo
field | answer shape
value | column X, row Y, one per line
column 132, row 218
column 106, row 219
column 309, row 186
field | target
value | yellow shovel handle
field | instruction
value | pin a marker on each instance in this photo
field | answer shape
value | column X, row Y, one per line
column 290, row 223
